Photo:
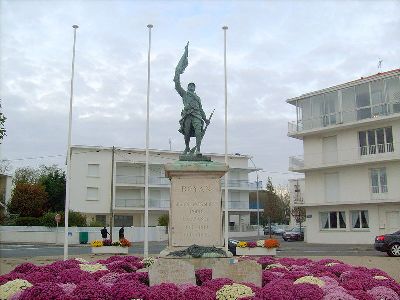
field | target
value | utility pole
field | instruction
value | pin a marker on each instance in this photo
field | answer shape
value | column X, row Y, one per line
column 68, row 161
column 226, row 191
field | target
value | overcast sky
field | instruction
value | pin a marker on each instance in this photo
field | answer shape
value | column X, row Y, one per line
column 275, row 50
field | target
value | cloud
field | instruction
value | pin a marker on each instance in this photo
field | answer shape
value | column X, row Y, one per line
column 276, row 50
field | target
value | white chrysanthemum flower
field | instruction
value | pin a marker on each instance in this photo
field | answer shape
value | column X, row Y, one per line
column 148, row 261
column 260, row 243
column 233, row 292
column 331, row 264
column 92, row 267
column 278, row 265
column 81, row 260
column 12, row 287
column 380, row 277
column 310, row 279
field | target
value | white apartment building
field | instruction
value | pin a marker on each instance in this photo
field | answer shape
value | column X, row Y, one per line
column 103, row 183
column 351, row 162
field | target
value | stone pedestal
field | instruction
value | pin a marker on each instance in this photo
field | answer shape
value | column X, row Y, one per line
column 195, row 215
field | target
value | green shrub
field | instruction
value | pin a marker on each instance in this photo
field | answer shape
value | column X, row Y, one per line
column 95, row 223
column 163, row 220
column 28, row 221
column 76, row 219
column 48, row 220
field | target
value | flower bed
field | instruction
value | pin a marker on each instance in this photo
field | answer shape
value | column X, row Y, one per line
column 109, row 247
column 259, row 248
column 116, row 278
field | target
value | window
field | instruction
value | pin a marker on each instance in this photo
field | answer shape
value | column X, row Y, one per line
column 359, row 219
column 363, row 101
column 125, row 221
column 333, row 220
column 379, row 181
column 93, row 170
column 331, row 187
column 375, row 141
column 92, row 193
column 393, row 94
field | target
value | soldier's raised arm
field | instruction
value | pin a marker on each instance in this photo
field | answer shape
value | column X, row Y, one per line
column 178, row 86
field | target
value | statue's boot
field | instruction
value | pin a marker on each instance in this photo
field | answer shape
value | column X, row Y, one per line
column 187, row 150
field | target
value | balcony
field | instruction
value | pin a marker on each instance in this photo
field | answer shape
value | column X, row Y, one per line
column 236, row 205
column 139, row 203
column 344, row 118
column 298, row 200
column 376, row 149
column 241, row 184
column 134, row 179
column 163, row 181
column 296, row 163
column 129, row 203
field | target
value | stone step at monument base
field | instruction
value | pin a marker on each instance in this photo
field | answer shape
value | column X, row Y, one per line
column 182, row 270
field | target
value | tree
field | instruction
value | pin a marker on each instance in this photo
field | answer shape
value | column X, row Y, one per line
column 25, row 175
column 274, row 204
column 299, row 214
column 163, row 220
column 53, row 180
column 2, row 128
column 28, row 200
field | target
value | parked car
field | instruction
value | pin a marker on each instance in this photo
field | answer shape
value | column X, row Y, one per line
column 389, row 243
column 294, row 234
column 232, row 246
column 274, row 230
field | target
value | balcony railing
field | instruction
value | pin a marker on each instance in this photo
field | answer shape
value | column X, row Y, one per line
column 343, row 117
column 153, row 203
column 372, row 149
column 242, row 184
column 135, row 203
column 298, row 200
column 379, row 189
column 133, row 179
column 139, row 203
column 236, row 205
column 296, row 163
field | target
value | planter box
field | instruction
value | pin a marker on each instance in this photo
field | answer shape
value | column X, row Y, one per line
column 110, row 250
column 261, row 251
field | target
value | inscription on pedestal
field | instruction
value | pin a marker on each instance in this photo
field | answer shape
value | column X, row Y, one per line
column 196, row 211
column 172, row 271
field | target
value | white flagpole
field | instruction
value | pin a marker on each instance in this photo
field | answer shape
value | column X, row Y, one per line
column 225, row 28
column 68, row 177
column 146, row 180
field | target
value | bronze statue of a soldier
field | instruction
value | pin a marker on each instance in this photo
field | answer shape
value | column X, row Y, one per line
column 192, row 115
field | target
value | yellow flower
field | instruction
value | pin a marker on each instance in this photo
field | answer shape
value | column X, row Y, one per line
column 242, row 244
column 10, row 288
column 91, row 268
column 96, row 243
column 233, row 292
column 310, row 279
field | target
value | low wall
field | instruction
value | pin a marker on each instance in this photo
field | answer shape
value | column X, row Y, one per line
column 41, row 234
column 45, row 235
